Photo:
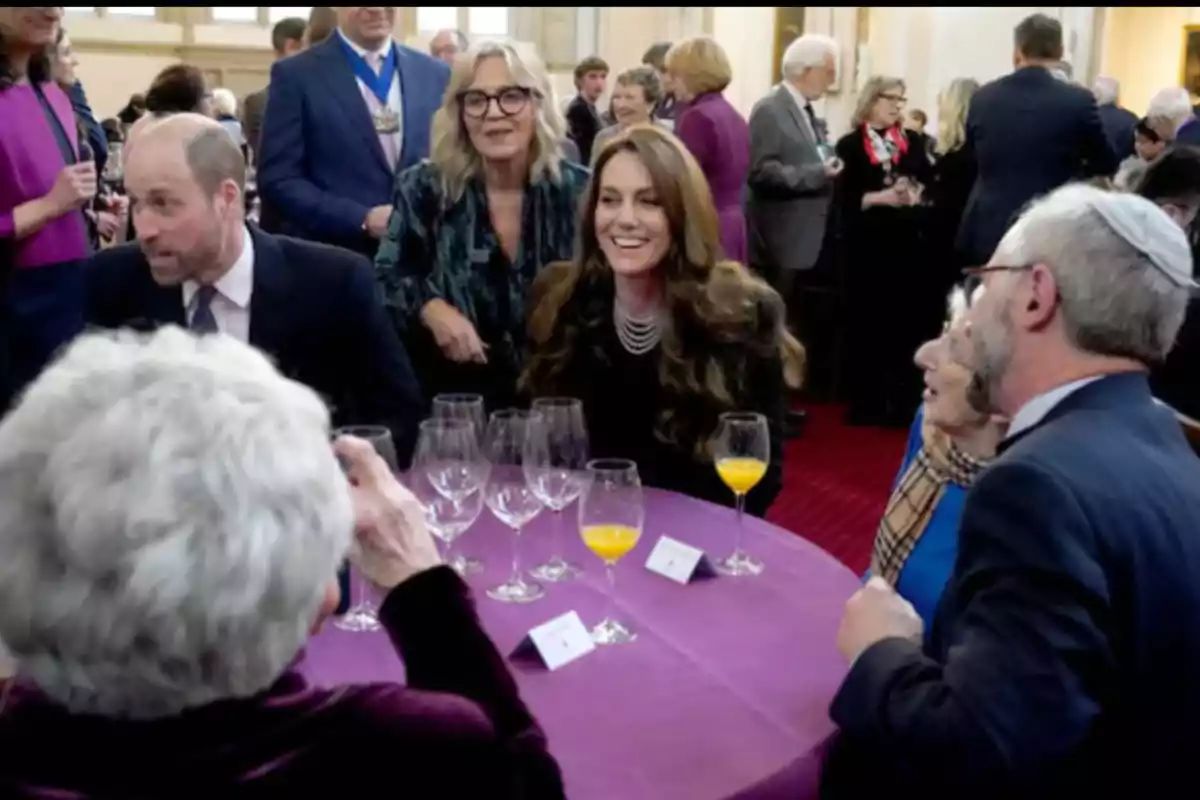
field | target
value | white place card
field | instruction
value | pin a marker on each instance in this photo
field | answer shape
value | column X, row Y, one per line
column 556, row 643
column 679, row 562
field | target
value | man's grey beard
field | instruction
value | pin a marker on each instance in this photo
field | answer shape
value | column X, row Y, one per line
column 991, row 362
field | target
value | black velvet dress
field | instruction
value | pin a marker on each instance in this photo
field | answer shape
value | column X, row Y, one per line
column 891, row 286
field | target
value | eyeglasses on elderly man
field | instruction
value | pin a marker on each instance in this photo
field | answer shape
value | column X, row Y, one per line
column 172, row 518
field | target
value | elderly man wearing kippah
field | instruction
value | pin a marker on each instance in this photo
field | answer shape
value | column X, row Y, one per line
column 1063, row 661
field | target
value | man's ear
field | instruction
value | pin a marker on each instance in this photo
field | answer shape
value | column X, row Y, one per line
column 1042, row 301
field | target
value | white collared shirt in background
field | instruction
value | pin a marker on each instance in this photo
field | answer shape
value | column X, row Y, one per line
column 231, row 303
column 1036, row 409
column 392, row 143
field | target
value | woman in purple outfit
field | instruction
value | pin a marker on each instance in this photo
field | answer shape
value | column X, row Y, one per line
column 713, row 131
column 44, row 185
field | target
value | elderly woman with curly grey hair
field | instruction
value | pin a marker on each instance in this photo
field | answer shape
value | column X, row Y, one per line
column 172, row 517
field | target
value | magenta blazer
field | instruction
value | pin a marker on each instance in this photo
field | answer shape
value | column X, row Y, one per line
column 30, row 160
column 719, row 139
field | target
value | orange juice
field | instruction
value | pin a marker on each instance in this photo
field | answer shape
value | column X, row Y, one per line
column 741, row 474
column 610, row 542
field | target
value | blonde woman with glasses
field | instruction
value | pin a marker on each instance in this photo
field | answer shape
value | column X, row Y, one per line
column 475, row 223
column 880, row 229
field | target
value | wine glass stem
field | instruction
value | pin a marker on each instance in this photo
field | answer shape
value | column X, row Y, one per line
column 516, row 558
column 610, row 602
column 740, row 504
column 556, row 536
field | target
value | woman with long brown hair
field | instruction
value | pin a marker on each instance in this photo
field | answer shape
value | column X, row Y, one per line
column 44, row 185
column 653, row 330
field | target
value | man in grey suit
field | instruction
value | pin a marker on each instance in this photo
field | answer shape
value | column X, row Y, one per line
column 792, row 172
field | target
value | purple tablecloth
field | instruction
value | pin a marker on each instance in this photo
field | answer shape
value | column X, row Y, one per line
column 726, row 689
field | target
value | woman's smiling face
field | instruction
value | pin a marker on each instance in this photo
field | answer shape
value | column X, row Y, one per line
column 947, row 382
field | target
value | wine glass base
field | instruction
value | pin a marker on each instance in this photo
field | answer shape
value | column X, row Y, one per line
column 465, row 565
column 360, row 619
column 555, row 570
column 739, row 564
column 609, row 631
column 517, row 591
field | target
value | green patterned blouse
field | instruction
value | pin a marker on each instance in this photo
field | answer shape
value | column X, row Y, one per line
column 452, row 253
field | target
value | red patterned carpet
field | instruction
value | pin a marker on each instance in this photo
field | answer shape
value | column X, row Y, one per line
column 836, row 482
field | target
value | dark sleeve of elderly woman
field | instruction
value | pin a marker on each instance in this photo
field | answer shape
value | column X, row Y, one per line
column 431, row 620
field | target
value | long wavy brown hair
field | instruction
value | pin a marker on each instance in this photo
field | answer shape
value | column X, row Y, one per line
column 720, row 318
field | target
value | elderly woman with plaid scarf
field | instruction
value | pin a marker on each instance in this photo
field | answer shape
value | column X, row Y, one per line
column 950, row 443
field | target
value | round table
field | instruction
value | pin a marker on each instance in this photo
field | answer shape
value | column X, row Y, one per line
column 725, row 692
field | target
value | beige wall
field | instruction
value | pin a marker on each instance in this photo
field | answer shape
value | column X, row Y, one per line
column 118, row 57
column 110, row 78
column 1143, row 49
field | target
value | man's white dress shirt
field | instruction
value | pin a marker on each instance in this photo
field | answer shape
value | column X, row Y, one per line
column 392, row 143
column 231, row 303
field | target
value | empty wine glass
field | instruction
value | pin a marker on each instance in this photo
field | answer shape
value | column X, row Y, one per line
column 508, row 494
column 469, row 407
column 741, row 449
column 448, row 452
column 450, row 519
column 446, row 467
column 363, row 614
column 555, row 467
column 611, row 514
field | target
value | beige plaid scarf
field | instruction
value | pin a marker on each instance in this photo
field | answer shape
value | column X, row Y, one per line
column 939, row 462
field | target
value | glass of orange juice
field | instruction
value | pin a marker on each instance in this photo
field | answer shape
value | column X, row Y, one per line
column 611, row 513
column 741, row 449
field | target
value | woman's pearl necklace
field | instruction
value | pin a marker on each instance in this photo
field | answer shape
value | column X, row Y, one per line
column 638, row 335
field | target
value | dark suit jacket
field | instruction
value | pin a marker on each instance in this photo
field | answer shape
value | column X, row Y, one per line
column 1064, row 658
column 314, row 309
column 320, row 162
column 1174, row 381
column 583, row 123
column 253, row 109
column 1030, row 134
column 97, row 139
column 457, row 729
column 1118, row 127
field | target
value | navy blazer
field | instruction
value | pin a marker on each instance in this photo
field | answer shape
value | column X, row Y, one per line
column 314, row 309
column 1030, row 134
column 1119, row 124
column 320, row 162
column 1064, row 661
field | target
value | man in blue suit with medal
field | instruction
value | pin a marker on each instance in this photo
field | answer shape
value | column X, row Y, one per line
column 341, row 119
